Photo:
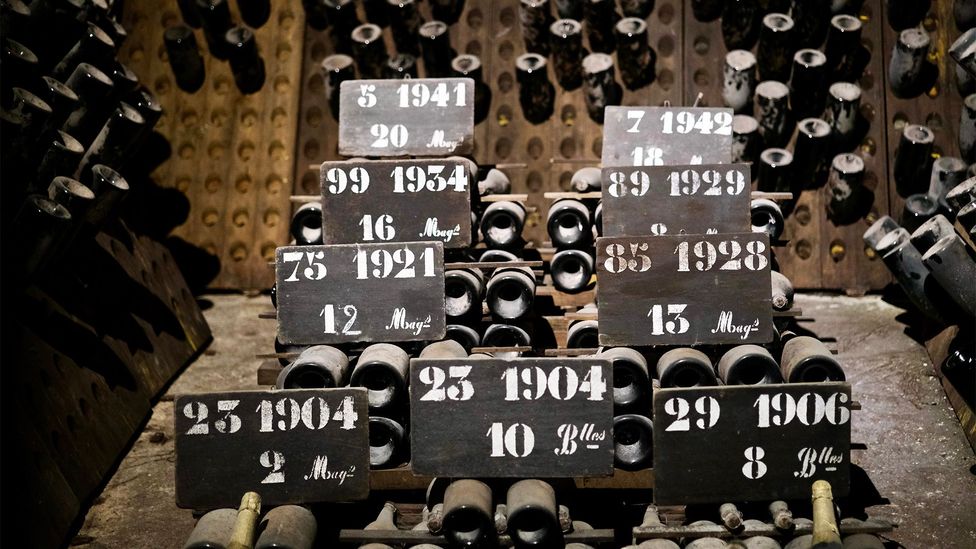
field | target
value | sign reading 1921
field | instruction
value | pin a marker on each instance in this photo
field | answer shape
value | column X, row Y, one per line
column 360, row 292
column 692, row 199
column 418, row 116
column 658, row 136
column 528, row 417
column 294, row 446
column 396, row 201
column 751, row 442
column 684, row 289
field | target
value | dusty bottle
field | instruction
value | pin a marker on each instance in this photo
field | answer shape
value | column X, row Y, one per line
column 534, row 21
column 336, row 69
column 502, row 223
column 400, row 66
column 773, row 112
column 913, row 159
column 435, row 42
column 600, row 16
column 739, row 80
column 907, row 69
column 533, row 517
column 952, row 265
column 775, row 170
column 566, row 43
column 370, row 52
column 287, row 527
column 254, row 13
column 810, row 154
column 469, row 66
column 184, row 57
column 826, row 535
column 383, row 370
column 776, row 47
column 388, row 443
column 634, row 54
column 317, row 367
column 306, row 224
column 245, row 61
column 845, row 188
column 536, row 93
column 582, row 334
column 633, row 442
column 806, row 360
column 746, row 142
column 685, row 367
column 510, row 292
column 766, row 217
column 464, row 291
column 506, row 335
column 748, row 365
column 631, row 380
column 600, row 88
column 740, row 24
column 568, row 224
column 572, row 271
column 405, row 23
column 808, row 84
column 469, row 518
column 212, row 530
column 215, row 20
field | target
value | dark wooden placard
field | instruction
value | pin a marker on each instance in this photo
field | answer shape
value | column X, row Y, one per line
column 396, row 201
column 293, row 446
column 415, row 117
column 686, row 199
column 750, row 442
column 360, row 292
column 684, row 289
column 526, row 417
column 660, row 136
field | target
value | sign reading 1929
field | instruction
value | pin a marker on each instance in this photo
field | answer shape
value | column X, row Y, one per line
column 693, row 199
column 751, row 442
column 418, row 116
column 396, row 201
column 294, row 446
column 360, row 292
column 658, row 136
column 684, row 289
column 540, row 417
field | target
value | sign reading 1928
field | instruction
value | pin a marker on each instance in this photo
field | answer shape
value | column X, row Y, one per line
column 396, row 201
column 751, row 442
column 684, row 289
column 360, row 292
column 528, row 417
column 693, row 199
column 658, row 136
column 418, row 116
column 294, row 446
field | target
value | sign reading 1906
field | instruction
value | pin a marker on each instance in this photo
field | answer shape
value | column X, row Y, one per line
column 419, row 116
column 542, row 417
column 684, row 289
column 764, row 442
column 360, row 292
column 658, row 136
column 396, row 201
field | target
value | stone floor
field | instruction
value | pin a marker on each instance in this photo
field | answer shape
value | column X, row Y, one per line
column 916, row 455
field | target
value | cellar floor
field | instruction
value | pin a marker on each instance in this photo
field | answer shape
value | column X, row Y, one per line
column 913, row 448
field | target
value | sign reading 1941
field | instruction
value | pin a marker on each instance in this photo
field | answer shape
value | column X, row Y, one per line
column 360, row 292
column 294, row 446
column 417, row 117
column 684, row 289
column 658, row 136
column 529, row 417
column 396, row 201
column 750, row 442
column 690, row 199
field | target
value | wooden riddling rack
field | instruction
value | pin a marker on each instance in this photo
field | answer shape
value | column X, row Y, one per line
column 96, row 345
column 820, row 255
column 232, row 154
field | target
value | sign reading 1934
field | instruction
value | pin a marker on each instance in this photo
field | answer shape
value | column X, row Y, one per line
column 750, row 442
column 294, row 446
column 689, row 199
column 418, row 117
column 360, row 292
column 684, row 289
column 527, row 417
column 396, row 201
column 658, row 136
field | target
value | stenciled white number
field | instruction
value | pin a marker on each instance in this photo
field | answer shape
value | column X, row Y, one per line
column 420, row 95
column 381, row 228
column 618, row 263
column 338, row 180
column 684, row 122
column 411, row 179
column 780, row 409
column 754, row 467
column 328, row 314
column 676, row 324
column 227, row 423
column 274, row 460
column 395, row 135
column 460, row 389
column 314, row 271
column 561, row 383
column 706, row 408
column 401, row 263
column 729, row 250
column 621, row 185
column 314, row 414
column 367, row 96
column 517, row 440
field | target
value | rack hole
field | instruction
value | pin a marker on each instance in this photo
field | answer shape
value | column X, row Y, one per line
column 665, row 46
column 803, row 249
column 534, row 181
column 243, row 184
column 475, row 19
column 310, row 183
column 311, row 149
column 273, row 184
column 282, row 84
column 240, row 218
column 276, row 150
column 505, row 82
column 271, row 217
column 212, row 184
column 238, row 251
column 245, row 151
column 503, row 147
column 313, row 117
column 535, row 148
column 248, row 118
column 210, row 217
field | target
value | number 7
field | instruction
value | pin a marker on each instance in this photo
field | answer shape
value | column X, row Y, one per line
column 639, row 115
column 288, row 257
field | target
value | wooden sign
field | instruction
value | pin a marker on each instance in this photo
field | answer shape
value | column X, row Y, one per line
column 750, row 442
column 294, row 446
column 661, row 136
column 527, row 417
column 684, row 289
column 688, row 199
column 360, row 292
column 396, row 201
column 413, row 117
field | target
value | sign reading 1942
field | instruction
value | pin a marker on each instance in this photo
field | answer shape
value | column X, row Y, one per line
column 294, row 446
column 396, row 201
column 360, row 292
column 417, row 116
column 689, row 199
column 750, row 442
column 528, row 417
column 659, row 136
column 684, row 289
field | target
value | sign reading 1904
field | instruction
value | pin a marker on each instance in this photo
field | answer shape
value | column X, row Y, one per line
column 684, row 289
column 419, row 117
column 360, row 292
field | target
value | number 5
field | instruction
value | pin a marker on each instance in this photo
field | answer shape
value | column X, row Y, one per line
column 367, row 98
